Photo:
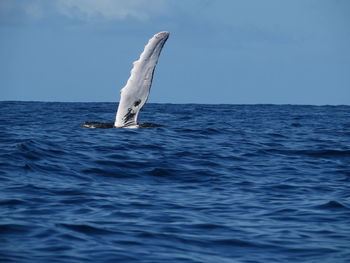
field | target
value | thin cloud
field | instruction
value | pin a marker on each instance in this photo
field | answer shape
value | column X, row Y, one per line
column 111, row 9
column 34, row 9
column 30, row 8
column 84, row 10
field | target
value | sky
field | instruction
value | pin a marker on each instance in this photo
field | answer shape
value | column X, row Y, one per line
column 223, row 51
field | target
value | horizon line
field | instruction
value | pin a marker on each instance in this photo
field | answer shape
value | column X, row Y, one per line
column 196, row 103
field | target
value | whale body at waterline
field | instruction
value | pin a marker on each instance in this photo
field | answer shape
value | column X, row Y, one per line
column 136, row 91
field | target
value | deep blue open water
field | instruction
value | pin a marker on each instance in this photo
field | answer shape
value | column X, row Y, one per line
column 216, row 183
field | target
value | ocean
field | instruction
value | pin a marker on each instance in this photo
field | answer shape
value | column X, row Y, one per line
column 213, row 183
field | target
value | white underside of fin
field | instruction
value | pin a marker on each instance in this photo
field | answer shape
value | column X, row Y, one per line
column 135, row 93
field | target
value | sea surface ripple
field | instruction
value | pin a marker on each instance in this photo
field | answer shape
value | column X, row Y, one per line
column 215, row 183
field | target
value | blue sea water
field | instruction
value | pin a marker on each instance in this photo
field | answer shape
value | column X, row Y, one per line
column 215, row 183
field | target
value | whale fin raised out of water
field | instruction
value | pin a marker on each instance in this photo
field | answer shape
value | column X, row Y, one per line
column 135, row 93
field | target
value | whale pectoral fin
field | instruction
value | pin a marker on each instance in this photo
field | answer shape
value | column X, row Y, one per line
column 135, row 93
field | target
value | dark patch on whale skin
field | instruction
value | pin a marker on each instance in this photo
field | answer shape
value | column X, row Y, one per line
column 129, row 116
column 137, row 103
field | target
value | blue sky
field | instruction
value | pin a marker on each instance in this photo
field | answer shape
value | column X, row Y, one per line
column 224, row 51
